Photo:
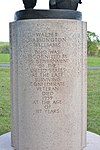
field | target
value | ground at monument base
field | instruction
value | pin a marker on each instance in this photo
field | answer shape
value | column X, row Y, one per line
column 93, row 142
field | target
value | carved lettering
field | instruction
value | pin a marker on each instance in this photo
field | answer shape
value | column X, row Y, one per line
column 47, row 69
column 52, row 111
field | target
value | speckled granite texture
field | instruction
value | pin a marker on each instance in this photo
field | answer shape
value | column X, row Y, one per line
column 48, row 87
column 93, row 142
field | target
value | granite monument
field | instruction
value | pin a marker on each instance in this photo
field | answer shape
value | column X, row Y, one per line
column 48, row 77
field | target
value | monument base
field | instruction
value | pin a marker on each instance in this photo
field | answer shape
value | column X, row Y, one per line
column 48, row 14
column 93, row 142
column 48, row 86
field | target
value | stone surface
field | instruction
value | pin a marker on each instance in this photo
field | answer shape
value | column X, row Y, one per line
column 5, row 142
column 49, row 84
column 14, row 87
column 93, row 142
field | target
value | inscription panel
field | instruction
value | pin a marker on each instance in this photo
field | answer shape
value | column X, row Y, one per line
column 49, row 84
column 48, row 72
column 46, row 64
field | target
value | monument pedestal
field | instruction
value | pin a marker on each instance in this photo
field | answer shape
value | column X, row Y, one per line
column 93, row 142
column 48, row 86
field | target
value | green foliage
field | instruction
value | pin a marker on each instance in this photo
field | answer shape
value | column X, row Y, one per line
column 98, row 52
column 93, row 43
column 4, row 47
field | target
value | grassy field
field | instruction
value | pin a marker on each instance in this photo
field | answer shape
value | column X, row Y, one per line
column 4, row 58
column 93, row 100
column 93, row 61
column 4, row 100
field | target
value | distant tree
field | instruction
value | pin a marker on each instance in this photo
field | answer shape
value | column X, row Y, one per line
column 4, row 47
column 93, row 43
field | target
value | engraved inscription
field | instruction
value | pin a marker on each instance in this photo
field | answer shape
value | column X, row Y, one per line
column 47, row 67
column 50, row 39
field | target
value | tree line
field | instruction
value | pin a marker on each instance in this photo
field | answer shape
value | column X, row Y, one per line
column 93, row 45
column 4, row 48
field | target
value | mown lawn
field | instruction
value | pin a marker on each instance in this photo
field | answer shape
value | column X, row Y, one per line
column 93, row 61
column 4, row 58
column 93, row 100
column 4, row 100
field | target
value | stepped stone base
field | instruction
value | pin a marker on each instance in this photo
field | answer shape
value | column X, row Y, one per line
column 93, row 142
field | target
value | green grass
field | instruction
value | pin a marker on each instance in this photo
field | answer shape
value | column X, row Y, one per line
column 4, row 100
column 93, row 61
column 93, row 100
column 4, row 58
column 4, row 43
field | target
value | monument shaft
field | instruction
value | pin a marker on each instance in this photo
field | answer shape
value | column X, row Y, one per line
column 49, row 110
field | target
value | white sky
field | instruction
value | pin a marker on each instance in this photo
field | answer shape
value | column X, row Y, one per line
column 89, row 8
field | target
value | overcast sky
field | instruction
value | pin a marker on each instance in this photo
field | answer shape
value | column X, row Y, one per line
column 89, row 8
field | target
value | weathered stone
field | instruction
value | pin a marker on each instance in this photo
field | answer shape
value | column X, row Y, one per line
column 14, row 86
column 93, row 142
column 50, row 99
